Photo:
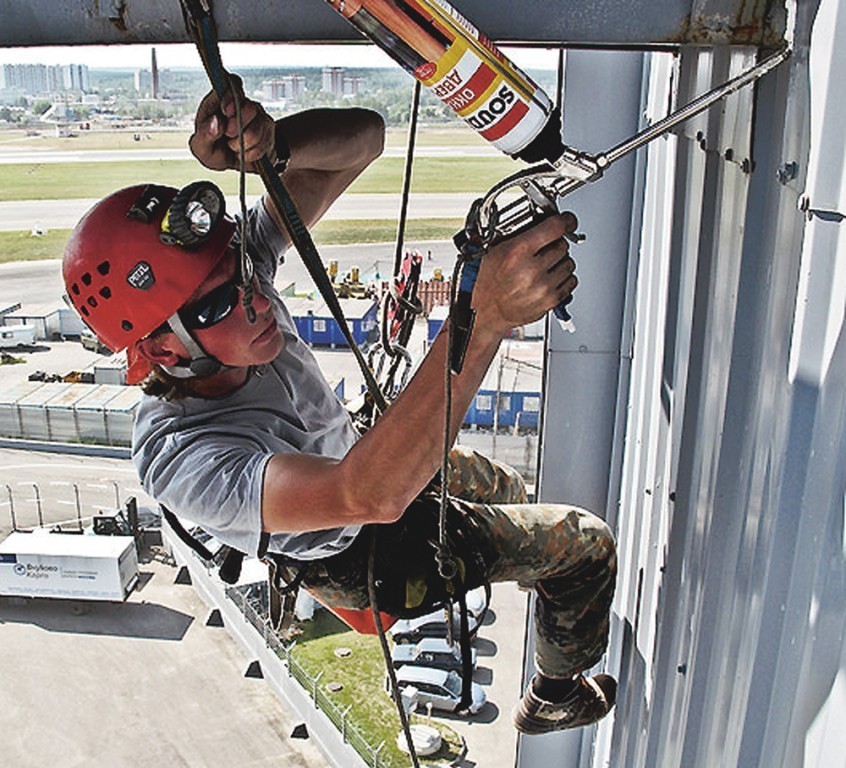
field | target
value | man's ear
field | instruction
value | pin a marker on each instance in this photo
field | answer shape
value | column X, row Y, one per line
column 159, row 349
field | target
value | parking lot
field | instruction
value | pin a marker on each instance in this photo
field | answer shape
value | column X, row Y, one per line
column 490, row 736
column 145, row 683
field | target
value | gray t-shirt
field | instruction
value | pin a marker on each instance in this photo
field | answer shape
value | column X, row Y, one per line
column 205, row 458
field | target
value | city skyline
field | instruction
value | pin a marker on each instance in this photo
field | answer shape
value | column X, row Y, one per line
column 235, row 55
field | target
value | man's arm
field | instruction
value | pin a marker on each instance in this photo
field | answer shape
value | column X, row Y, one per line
column 328, row 148
column 518, row 282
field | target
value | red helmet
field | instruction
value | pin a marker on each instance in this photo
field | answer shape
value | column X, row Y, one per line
column 137, row 256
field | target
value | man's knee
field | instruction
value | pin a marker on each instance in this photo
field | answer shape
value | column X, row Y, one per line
column 590, row 546
column 603, row 544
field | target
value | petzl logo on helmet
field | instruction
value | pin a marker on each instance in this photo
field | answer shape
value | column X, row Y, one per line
column 141, row 276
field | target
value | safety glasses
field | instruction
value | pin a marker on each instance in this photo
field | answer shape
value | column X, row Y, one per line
column 212, row 308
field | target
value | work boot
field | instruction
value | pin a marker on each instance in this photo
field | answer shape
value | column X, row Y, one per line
column 591, row 700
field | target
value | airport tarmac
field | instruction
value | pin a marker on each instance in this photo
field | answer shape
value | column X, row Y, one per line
column 145, row 683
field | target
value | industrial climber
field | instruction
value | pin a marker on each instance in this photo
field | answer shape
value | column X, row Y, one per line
column 239, row 432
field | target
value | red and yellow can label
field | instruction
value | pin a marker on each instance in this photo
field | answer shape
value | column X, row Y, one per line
column 509, row 114
column 458, row 64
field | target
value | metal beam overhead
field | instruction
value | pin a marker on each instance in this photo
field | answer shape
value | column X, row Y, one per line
column 538, row 22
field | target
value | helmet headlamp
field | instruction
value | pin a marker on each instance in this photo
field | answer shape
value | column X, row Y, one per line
column 121, row 271
column 193, row 215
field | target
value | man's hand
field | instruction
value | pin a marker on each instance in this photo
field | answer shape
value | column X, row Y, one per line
column 215, row 141
column 522, row 278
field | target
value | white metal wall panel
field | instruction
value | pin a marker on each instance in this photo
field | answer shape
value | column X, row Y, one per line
column 730, row 616
column 584, row 368
column 698, row 690
column 822, row 287
column 642, row 536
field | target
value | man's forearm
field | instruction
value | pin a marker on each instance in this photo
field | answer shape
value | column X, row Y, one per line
column 332, row 139
column 328, row 149
column 405, row 448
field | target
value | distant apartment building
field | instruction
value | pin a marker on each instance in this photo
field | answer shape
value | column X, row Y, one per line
column 24, row 78
column 353, row 86
column 75, row 77
column 340, row 84
column 41, row 79
column 142, row 81
column 287, row 88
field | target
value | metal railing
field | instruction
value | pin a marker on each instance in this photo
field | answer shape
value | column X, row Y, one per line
column 340, row 718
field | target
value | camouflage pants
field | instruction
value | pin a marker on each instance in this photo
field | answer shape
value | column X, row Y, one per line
column 567, row 555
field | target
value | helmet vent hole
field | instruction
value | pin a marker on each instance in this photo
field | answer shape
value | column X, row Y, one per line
column 86, row 278
column 92, row 302
column 83, row 309
column 75, row 288
column 126, row 325
column 103, row 268
column 106, row 292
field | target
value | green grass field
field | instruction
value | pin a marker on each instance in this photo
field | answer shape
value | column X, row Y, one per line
column 65, row 181
column 362, row 677
column 52, row 181
column 21, row 246
column 428, row 136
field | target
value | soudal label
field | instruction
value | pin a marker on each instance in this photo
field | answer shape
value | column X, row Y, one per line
column 488, row 100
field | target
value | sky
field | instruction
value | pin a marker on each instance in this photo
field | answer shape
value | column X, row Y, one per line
column 235, row 55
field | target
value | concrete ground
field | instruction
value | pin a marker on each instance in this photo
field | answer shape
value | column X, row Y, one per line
column 167, row 689
column 145, row 683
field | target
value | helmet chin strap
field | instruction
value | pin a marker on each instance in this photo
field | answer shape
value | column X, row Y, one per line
column 200, row 364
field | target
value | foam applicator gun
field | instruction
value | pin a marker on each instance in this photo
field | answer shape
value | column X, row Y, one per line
column 460, row 66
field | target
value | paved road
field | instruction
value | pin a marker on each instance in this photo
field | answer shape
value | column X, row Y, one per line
column 43, row 487
column 25, row 215
column 40, row 282
column 22, row 155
